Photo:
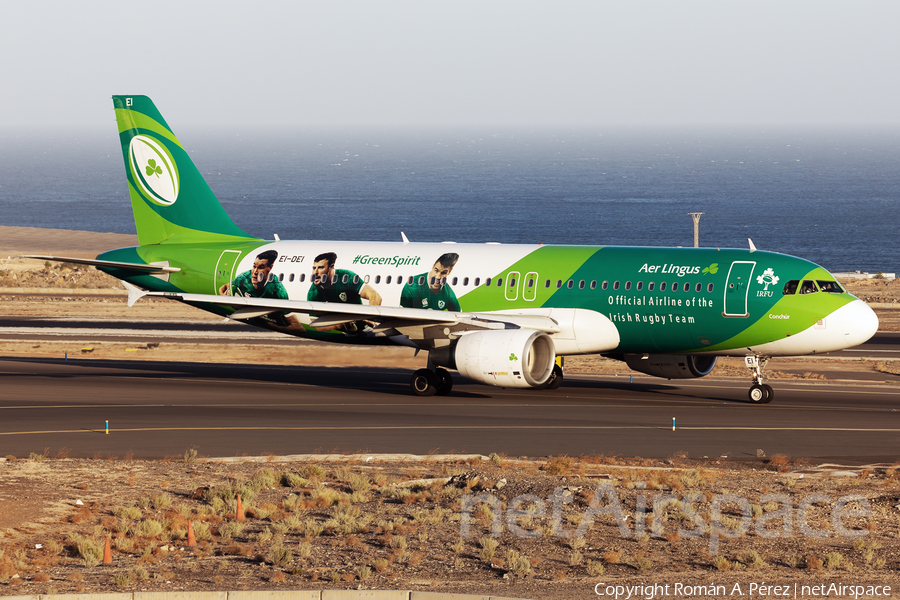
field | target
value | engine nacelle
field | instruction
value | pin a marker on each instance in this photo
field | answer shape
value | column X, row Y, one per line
column 671, row 366
column 516, row 358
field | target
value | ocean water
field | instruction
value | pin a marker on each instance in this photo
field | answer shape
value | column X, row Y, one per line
column 830, row 196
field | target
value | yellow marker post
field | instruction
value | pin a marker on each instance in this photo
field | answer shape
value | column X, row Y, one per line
column 107, row 428
column 673, row 423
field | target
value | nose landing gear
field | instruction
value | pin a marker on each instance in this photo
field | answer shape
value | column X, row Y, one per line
column 760, row 393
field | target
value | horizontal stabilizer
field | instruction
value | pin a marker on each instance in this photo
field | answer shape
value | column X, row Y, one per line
column 110, row 264
column 134, row 293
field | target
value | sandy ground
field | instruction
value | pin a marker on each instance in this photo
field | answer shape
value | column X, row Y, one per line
column 375, row 524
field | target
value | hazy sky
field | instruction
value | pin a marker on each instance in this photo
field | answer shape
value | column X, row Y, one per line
column 414, row 63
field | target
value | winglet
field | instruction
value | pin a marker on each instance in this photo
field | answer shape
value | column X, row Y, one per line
column 134, row 293
column 752, row 247
column 405, row 239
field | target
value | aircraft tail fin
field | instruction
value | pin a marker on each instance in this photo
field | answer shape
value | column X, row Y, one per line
column 172, row 203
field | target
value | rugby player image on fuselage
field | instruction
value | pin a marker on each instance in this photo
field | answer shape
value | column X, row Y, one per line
column 340, row 285
column 255, row 284
column 430, row 290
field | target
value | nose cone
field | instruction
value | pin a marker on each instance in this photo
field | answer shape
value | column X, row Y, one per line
column 859, row 323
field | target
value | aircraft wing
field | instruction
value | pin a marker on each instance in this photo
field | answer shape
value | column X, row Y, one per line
column 414, row 323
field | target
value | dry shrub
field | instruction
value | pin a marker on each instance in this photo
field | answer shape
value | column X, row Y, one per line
column 277, row 577
column 813, row 562
column 612, row 557
column 82, row 514
column 559, row 465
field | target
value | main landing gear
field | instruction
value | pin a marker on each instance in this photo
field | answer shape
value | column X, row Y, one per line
column 426, row 382
column 760, row 393
column 556, row 379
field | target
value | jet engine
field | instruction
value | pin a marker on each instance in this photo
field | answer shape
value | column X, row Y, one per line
column 671, row 366
column 516, row 358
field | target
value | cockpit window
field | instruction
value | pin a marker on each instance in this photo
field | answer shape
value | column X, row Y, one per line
column 831, row 287
column 791, row 287
column 808, row 287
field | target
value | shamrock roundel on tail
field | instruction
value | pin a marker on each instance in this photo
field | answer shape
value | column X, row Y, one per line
column 153, row 168
column 768, row 278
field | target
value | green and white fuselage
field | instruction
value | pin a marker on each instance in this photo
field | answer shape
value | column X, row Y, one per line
column 665, row 311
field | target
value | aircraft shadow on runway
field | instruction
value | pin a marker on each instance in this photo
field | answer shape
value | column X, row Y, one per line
column 377, row 380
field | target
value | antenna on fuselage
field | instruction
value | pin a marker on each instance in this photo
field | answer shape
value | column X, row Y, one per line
column 405, row 239
column 752, row 245
column 696, row 217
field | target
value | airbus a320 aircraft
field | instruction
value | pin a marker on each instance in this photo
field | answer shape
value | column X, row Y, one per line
column 498, row 314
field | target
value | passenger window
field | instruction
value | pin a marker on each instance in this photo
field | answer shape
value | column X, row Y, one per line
column 616, row 285
column 465, row 281
column 650, row 286
column 639, row 285
column 571, row 284
column 499, row 281
column 547, row 283
column 675, row 287
column 531, row 282
column 411, row 279
column 334, row 279
column 291, row 277
column 662, row 286
column 455, row 279
column 387, row 279
column 593, row 285
column 477, row 281
column 366, row 279
column 487, row 282
column 512, row 282
column 345, row 279
column 271, row 276
column 627, row 285
column 378, row 279
column 687, row 287
column 699, row 287
column 581, row 284
column 808, row 287
column 558, row 283
column 710, row 288
column 281, row 277
column 302, row 277
column 604, row 285
column 831, row 287
column 422, row 281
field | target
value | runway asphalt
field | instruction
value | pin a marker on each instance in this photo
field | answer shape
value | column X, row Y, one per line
column 162, row 409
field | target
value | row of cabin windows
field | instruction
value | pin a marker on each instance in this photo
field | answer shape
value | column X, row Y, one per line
column 639, row 286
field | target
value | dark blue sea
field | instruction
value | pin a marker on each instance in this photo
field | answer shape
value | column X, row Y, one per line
column 831, row 196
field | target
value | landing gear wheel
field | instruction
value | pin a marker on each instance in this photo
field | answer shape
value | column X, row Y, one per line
column 424, row 383
column 758, row 394
column 556, row 379
column 444, row 381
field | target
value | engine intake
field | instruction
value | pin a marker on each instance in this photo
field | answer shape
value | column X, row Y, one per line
column 516, row 358
column 672, row 366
